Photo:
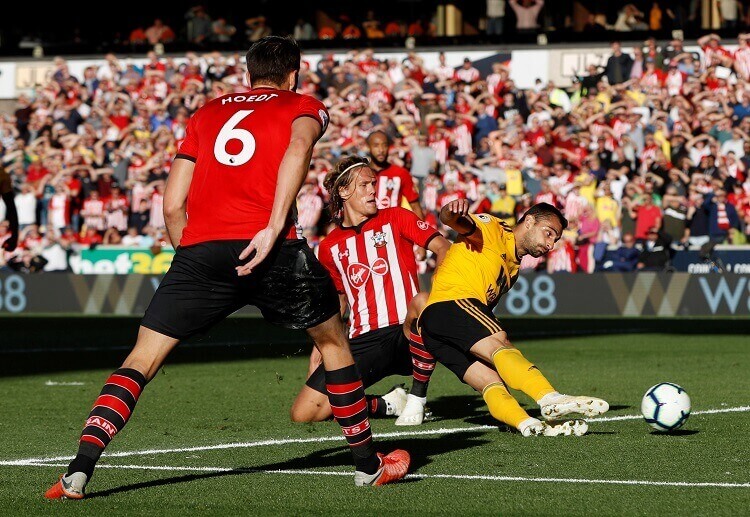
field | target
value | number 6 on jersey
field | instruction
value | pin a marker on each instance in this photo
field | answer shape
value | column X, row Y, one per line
column 230, row 131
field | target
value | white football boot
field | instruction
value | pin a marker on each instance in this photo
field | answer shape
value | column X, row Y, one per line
column 413, row 413
column 555, row 405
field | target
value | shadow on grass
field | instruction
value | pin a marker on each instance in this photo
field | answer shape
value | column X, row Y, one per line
column 421, row 450
column 452, row 407
column 676, row 432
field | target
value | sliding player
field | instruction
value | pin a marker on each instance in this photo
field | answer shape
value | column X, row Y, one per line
column 458, row 325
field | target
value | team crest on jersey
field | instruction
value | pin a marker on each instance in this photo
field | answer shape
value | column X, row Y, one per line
column 423, row 225
column 359, row 274
column 379, row 239
column 484, row 218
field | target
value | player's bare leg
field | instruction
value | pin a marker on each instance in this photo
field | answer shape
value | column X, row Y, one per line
column 113, row 409
column 518, row 373
column 422, row 362
column 310, row 405
column 349, row 407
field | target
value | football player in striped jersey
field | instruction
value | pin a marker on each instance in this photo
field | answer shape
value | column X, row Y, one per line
column 370, row 256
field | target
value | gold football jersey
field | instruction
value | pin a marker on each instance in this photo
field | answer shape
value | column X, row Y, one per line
column 486, row 273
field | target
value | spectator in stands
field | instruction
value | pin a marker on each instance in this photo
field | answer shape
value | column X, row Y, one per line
column 646, row 216
column 625, row 258
column 137, row 36
column 655, row 254
column 619, row 65
column 675, row 214
column 222, row 31
column 729, row 13
column 371, row 25
column 696, row 233
column 630, row 18
column 504, row 206
column 588, row 232
column 527, row 13
column 495, row 17
column 722, row 216
column 257, row 28
column 199, row 25
column 132, row 238
column 303, row 30
column 159, row 33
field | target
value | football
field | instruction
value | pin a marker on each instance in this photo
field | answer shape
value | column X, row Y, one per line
column 666, row 406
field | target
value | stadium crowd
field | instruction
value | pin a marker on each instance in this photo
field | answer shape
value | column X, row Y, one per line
column 643, row 155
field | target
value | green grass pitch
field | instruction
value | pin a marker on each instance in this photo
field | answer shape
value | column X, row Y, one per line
column 228, row 448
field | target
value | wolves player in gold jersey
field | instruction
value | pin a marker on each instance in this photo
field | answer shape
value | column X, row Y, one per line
column 458, row 324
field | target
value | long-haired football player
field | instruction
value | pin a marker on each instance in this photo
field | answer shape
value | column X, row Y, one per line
column 370, row 256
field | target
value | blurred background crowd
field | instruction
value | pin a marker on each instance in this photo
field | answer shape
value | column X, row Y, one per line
column 645, row 155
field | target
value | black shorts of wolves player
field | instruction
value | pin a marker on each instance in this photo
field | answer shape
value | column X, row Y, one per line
column 377, row 354
column 290, row 287
column 449, row 329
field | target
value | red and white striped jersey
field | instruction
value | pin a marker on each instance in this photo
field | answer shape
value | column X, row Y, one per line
column 393, row 183
column 374, row 265
column 467, row 75
column 713, row 56
column 309, row 208
column 441, row 146
column 156, row 219
column 445, row 198
column 117, row 212
column 463, row 138
column 59, row 210
column 93, row 213
column 742, row 62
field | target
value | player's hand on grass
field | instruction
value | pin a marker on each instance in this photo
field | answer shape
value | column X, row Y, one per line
column 261, row 244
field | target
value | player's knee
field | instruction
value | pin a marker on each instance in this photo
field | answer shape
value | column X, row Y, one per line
column 500, row 341
column 298, row 415
column 310, row 413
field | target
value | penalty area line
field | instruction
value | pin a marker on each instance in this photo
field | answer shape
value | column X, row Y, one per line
column 337, row 438
column 464, row 477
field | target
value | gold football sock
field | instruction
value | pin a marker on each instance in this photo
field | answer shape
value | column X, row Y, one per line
column 518, row 373
column 502, row 405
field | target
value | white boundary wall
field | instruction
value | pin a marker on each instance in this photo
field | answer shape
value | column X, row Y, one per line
column 545, row 63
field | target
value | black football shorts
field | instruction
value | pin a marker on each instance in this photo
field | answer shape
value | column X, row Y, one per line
column 378, row 354
column 290, row 287
column 449, row 329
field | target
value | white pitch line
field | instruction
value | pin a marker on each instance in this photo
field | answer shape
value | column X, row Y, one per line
column 474, row 477
column 285, row 441
column 56, row 383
